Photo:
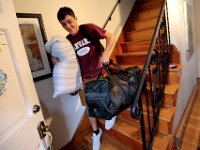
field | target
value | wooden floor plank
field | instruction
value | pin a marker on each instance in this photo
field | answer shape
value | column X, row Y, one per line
column 191, row 136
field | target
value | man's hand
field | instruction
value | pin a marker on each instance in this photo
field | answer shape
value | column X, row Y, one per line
column 54, row 60
column 105, row 59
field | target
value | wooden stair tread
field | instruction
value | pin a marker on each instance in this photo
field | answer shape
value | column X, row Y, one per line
column 134, row 47
column 171, row 88
column 165, row 120
column 145, row 20
column 139, row 42
column 142, row 53
column 126, row 129
column 166, row 113
column 143, row 31
column 136, row 42
column 108, row 143
column 134, row 133
column 177, row 69
column 139, row 35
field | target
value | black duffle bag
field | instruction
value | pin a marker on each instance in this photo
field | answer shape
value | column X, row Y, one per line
column 110, row 95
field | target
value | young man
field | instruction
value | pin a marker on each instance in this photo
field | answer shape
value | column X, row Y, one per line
column 90, row 56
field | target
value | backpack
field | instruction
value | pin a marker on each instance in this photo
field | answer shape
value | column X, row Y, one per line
column 88, row 35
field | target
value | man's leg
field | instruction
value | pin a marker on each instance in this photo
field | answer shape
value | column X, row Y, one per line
column 93, row 122
column 97, row 132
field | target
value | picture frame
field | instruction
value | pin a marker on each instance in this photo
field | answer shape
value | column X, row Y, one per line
column 188, row 27
column 34, row 38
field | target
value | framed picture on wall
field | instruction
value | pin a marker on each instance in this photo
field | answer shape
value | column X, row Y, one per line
column 188, row 29
column 34, row 38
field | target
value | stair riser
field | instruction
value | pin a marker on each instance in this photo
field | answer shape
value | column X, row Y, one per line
column 175, row 58
column 169, row 99
column 149, row 6
column 131, row 60
column 145, row 35
column 144, row 16
column 173, row 78
column 164, row 126
column 150, row 23
column 134, row 47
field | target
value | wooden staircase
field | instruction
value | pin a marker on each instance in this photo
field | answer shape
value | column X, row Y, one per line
column 130, row 50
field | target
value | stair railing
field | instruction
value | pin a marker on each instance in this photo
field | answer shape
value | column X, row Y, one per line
column 109, row 17
column 153, row 79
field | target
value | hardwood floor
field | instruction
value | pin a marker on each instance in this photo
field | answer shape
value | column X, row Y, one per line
column 191, row 137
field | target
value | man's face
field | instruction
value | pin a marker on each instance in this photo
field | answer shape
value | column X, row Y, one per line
column 70, row 24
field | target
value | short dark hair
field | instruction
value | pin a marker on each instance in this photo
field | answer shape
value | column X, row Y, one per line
column 63, row 11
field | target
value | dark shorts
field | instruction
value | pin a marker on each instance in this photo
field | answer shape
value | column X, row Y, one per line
column 82, row 91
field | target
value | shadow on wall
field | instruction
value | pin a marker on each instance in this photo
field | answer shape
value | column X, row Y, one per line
column 62, row 115
column 55, row 120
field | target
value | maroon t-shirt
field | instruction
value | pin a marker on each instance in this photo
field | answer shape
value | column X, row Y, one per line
column 87, row 53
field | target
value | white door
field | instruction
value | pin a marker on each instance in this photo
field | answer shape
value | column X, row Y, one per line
column 18, row 124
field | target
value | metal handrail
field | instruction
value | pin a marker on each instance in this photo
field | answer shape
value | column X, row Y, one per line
column 162, row 60
column 135, row 111
column 109, row 17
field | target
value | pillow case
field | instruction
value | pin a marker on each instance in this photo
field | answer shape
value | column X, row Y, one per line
column 66, row 74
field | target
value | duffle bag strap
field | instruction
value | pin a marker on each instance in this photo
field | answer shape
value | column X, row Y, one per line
column 110, row 76
column 100, row 73
column 108, row 72
column 117, row 66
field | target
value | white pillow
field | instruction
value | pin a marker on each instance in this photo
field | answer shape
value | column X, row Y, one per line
column 66, row 74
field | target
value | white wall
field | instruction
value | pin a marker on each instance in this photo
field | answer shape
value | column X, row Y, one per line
column 189, row 73
column 197, row 31
column 63, row 115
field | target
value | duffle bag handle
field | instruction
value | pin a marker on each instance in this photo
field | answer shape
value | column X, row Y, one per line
column 106, row 66
column 110, row 75
column 100, row 73
column 117, row 66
